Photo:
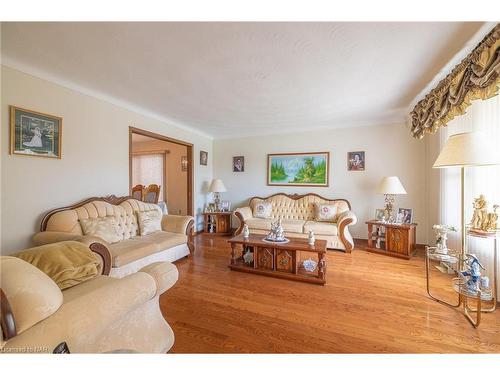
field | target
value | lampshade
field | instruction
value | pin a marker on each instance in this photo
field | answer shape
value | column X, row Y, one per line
column 391, row 185
column 466, row 150
column 217, row 186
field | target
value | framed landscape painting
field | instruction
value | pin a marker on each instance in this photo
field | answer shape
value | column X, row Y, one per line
column 34, row 133
column 298, row 169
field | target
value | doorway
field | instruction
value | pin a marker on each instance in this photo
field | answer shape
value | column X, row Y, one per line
column 167, row 162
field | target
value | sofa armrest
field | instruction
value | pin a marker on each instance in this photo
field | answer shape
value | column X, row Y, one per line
column 243, row 214
column 176, row 223
column 345, row 219
column 180, row 224
column 46, row 237
column 165, row 275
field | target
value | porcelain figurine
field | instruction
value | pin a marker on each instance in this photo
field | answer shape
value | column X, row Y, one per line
column 479, row 205
column 246, row 231
column 491, row 221
column 276, row 234
column 312, row 239
column 248, row 257
column 472, row 273
column 441, row 237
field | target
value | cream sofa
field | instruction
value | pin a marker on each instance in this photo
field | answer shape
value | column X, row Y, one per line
column 298, row 218
column 133, row 252
column 99, row 315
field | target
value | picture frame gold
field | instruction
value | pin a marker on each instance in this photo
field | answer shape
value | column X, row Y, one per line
column 34, row 133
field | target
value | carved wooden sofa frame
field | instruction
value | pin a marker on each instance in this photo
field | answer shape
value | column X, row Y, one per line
column 99, row 248
column 342, row 223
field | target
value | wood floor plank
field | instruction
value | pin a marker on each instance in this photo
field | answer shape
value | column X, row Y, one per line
column 371, row 304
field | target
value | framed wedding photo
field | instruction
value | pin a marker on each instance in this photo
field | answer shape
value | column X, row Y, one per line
column 405, row 216
column 34, row 133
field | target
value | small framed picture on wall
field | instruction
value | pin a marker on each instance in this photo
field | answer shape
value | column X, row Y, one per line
column 356, row 161
column 203, row 158
column 238, row 164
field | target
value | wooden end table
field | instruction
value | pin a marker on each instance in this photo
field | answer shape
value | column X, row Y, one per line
column 282, row 260
column 397, row 240
column 217, row 223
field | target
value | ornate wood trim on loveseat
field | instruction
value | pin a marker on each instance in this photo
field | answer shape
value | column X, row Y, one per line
column 349, row 245
column 100, row 248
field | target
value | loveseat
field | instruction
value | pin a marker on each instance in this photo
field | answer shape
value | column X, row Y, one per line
column 98, row 314
column 132, row 251
column 299, row 215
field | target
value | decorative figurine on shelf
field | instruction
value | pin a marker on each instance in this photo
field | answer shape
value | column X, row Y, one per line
column 491, row 221
column 479, row 212
column 441, row 237
column 248, row 257
column 246, row 231
column 482, row 220
column 472, row 273
column 311, row 238
column 276, row 234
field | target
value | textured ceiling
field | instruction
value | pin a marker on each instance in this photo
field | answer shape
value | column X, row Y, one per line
column 237, row 79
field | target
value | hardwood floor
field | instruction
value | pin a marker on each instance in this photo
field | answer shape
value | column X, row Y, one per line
column 371, row 304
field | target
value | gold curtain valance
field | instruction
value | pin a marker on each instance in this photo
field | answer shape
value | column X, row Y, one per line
column 476, row 77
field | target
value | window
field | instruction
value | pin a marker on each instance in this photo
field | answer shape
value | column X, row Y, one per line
column 484, row 116
column 149, row 169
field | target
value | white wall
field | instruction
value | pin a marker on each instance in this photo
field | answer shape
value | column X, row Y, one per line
column 389, row 151
column 94, row 155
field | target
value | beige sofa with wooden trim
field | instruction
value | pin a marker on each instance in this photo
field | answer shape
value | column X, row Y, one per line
column 134, row 251
column 98, row 315
column 298, row 218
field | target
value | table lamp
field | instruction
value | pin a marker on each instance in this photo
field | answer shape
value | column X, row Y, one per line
column 466, row 150
column 390, row 186
column 217, row 187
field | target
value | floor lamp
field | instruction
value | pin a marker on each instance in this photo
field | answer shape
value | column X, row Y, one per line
column 466, row 150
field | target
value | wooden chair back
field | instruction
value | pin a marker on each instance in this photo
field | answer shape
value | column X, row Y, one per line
column 137, row 192
column 151, row 194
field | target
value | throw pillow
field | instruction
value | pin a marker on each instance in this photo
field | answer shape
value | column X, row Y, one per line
column 326, row 212
column 68, row 263
column 262, row 210
column 104, row 227
column 149, row 221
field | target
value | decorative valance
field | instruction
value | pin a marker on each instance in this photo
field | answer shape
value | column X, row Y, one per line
column 476, row 77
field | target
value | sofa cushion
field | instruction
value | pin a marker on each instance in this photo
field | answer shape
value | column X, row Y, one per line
column 149, row 221
column 257, row 223
column 262, row 210
column 166, row 240
column 321, row 228
column 325, row 212
column 32, row 295
column 293, row 226
column 102, row 227
column 68, row 263
column 126, row 251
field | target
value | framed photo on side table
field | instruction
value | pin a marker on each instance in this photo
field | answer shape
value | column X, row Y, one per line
column 405, row 216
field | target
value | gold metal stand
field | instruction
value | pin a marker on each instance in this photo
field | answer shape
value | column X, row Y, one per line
column 462, row 292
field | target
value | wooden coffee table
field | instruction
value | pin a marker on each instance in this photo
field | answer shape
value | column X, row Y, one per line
column 282, row 260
